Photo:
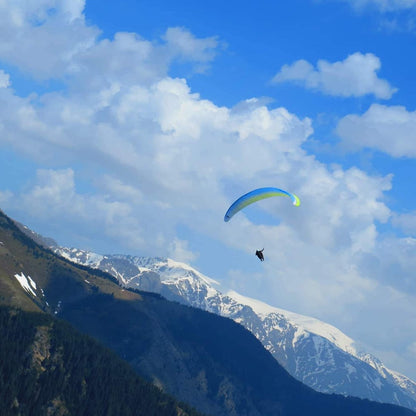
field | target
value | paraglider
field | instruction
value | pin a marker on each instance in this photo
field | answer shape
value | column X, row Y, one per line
column 255, row 196
column 259, row 254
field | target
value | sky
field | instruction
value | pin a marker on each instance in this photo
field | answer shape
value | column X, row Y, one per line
column 130, row 127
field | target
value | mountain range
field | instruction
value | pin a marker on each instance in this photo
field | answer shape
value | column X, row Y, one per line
column 314, row 352
column 203, row 359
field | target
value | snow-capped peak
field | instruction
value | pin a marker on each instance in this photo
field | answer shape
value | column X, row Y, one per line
column 172, row 269
column 80, row 256
column 307, row 323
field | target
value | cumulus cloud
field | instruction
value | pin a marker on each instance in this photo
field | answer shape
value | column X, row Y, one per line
column 25, row 30
column 159, row 145
column 185, row 45
column 390, row 130
column 355, row 76
column 53, row 196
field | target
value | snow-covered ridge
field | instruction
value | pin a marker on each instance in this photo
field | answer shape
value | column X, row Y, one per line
column 82, row 257
column 170, row 269
column 311, row 325
column 313, row 351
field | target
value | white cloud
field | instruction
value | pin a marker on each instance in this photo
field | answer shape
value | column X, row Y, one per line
column 388, row 129
column 74, row 48
column 383, row 5
column 355, row 76
column 391, row 263
column 393, row 15
column 53, row 200
column 4, row 79
column 53, row 189
column 185, row 45
column 25, row 29
column 178, row 250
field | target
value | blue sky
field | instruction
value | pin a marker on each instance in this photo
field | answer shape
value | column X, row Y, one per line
column 130, row 127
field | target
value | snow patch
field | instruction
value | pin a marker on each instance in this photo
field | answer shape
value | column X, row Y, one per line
column 58, row 307
column 26, row 282
column 32, row 283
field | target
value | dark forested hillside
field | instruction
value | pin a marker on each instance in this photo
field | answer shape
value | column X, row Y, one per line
column 47, row 367
column 207, row 361
column 210, row 362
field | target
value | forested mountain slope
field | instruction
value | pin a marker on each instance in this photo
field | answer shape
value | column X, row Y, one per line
column 48, row 368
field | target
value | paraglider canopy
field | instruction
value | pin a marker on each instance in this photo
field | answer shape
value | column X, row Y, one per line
column 255, row 196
